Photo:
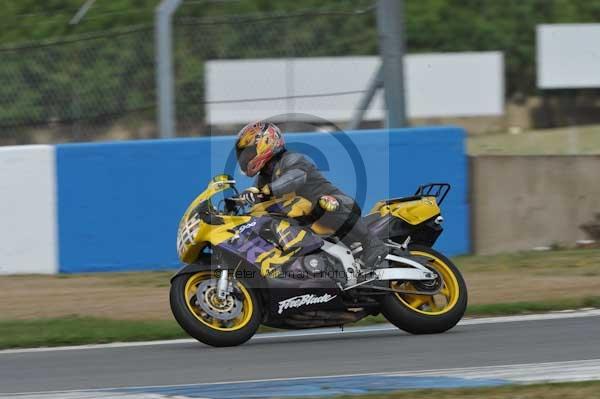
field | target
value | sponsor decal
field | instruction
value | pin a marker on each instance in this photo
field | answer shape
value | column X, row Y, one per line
column 303, row 300
column 241, row 230
column 246, row 226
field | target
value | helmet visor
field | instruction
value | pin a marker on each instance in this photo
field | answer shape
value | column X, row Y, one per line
column 244, row 156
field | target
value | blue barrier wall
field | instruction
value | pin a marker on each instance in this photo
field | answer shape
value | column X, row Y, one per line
column 119, row 204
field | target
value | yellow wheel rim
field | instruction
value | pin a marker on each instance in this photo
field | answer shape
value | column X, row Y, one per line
column 436, row 304
column 191, row 288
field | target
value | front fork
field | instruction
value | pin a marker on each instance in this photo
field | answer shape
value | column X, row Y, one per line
column 223, row 284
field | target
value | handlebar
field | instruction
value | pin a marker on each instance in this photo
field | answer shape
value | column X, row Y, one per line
column 240, row 200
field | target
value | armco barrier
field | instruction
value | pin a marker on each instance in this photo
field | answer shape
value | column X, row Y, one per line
column 119, row 204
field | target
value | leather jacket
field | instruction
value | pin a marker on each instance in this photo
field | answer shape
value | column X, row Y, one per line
column 291, row 172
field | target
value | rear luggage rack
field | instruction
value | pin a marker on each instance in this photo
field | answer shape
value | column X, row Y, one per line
column 437, row 190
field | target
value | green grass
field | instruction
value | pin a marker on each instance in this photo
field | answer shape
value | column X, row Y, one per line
column 568, row 261
column 78, row 330
column 84, row 330
column 511, row 308
column 568, row 390
column 88, row 330
column 560, row 141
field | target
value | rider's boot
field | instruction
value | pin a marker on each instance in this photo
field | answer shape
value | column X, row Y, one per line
column 373, row 251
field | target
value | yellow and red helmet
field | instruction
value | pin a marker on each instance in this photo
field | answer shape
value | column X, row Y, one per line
column 257, row 143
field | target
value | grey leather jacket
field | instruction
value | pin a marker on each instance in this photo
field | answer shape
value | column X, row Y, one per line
column 292, row 172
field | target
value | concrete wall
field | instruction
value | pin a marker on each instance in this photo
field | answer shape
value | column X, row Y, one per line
column 115, row 206
column 120, row 203
column 520, row 202
column 28, row 241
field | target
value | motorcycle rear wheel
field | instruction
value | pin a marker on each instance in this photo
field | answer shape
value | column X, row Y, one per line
column 206, row 328
column 428, row 314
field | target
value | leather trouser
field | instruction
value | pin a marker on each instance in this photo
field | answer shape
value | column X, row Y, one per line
column 349, row 227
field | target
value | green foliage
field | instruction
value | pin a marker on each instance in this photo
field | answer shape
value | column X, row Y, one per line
column 480, row 25
column 114, row 74
column 34, row 20
column 78, row 79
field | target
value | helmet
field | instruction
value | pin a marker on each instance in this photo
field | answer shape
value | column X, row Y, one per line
column 257, row 143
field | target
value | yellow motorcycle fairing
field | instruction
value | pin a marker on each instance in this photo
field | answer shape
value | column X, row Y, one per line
column 196, row 230
column 413, row 212
column 202, row 225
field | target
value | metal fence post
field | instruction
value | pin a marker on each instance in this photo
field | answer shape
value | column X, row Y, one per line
column 363, row 106
column 390, row 24
column 163, row 31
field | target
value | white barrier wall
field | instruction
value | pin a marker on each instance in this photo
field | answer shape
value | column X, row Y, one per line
column 27, row 210
column 568, row 56
column 437, row 85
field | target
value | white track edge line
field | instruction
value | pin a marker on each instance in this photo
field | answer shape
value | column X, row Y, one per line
column 320, row 332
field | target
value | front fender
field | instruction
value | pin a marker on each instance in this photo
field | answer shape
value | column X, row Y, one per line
column 201, row 264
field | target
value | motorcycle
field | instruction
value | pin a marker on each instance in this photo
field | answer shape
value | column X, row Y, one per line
column 272, row 265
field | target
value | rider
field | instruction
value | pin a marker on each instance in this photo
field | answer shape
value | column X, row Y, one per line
column 261, row 151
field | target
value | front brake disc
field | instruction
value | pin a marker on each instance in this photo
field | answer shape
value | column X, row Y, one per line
column 208, row 300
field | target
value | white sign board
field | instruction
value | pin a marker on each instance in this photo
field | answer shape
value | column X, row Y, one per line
column 568, row 56
column 451, row 84
column 329, row 88
column 454, row 84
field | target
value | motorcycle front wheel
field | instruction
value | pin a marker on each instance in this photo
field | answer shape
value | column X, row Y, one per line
column 428, row 314
column 199, row 311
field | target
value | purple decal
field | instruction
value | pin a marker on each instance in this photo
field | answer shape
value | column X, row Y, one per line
column 246, row 247
column 248, row 244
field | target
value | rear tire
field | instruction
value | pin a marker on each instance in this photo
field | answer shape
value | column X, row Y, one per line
column 398, row 311
column 188, row 315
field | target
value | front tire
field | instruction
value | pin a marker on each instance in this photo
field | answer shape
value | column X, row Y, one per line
column 428, row 314
column 209, row 329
